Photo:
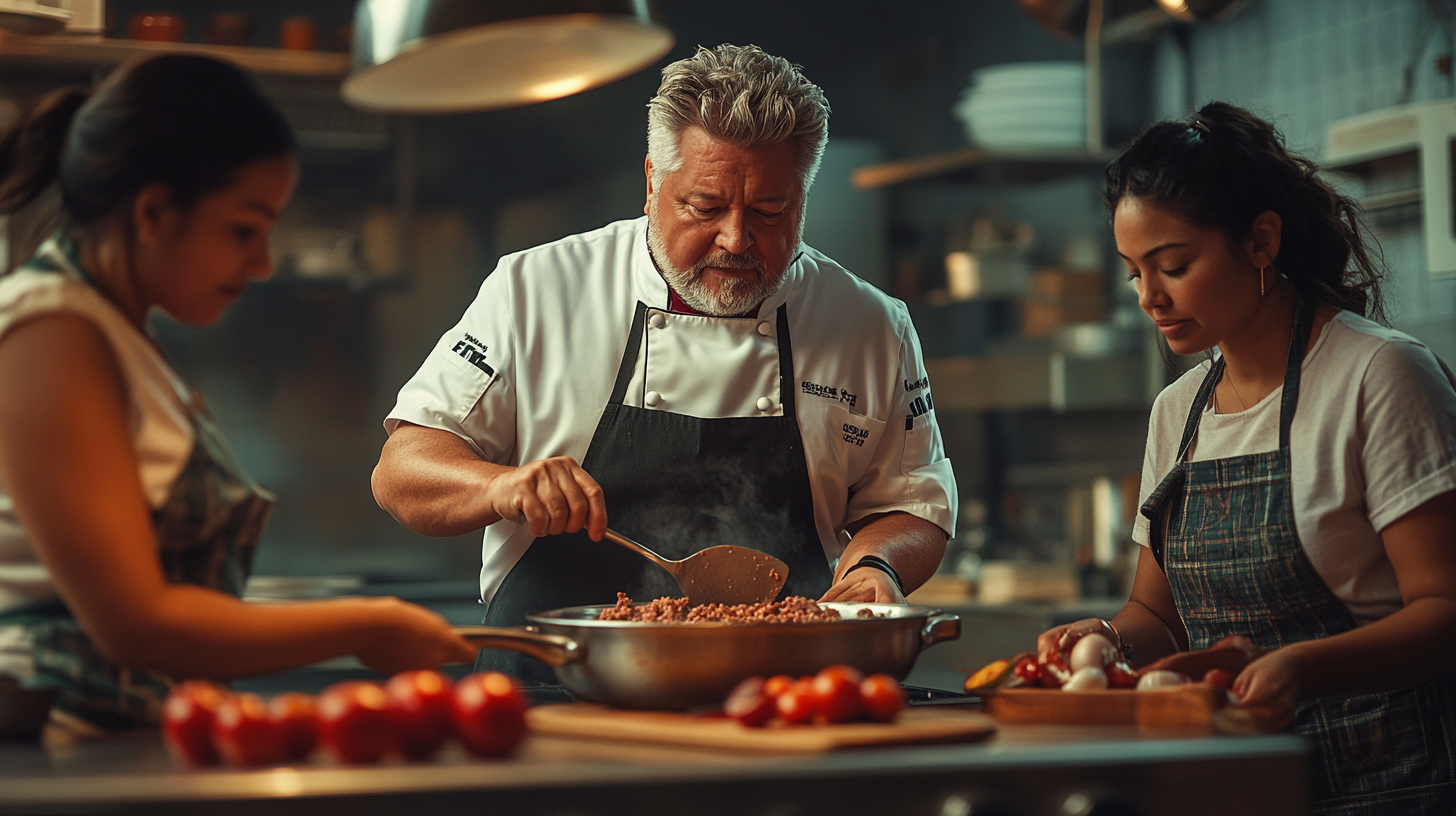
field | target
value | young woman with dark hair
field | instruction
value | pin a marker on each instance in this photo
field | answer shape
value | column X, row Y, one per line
column 1299, row 487
column 126, row 525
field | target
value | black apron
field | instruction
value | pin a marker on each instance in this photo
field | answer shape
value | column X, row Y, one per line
column 732, row 480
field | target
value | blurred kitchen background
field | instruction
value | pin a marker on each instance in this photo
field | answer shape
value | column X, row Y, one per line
column 961, row 177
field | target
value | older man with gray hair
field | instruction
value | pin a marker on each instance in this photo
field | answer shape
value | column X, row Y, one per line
column 700, row 374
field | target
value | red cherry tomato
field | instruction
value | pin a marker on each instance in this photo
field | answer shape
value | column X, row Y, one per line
column 420, row 703
column 798, row 704
column 296, row 715
column 489, row 713
column 1121, row 675
column 1028, row 670
column 883, row 697
column 776, row 685
column 749, row 704
column 837, row 697
column 245, row 734
column 187, row 718
column 848, row 672
column 354, row 721
column 1219, row 678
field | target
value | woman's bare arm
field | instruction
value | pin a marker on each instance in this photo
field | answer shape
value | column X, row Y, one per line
column 66, row 457
column 1407, row 647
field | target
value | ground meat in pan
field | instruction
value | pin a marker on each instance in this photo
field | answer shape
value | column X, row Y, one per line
column 676, row 610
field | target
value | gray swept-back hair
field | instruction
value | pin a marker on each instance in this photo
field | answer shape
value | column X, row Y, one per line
column 743, row 96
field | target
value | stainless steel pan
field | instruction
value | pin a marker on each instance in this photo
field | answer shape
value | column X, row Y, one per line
column 680, row 666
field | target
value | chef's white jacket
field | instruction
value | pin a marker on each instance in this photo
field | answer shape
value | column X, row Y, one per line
column 526, row 373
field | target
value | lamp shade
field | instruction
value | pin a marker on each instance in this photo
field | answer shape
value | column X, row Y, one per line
column 442, row 56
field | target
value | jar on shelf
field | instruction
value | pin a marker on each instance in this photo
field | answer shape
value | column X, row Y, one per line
column 156, row 26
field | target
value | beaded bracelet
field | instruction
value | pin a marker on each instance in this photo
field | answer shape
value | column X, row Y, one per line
column 1122, row 645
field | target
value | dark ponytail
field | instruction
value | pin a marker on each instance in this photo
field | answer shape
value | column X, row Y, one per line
column 30, row 149
column 1222, row 168
column 184, row 121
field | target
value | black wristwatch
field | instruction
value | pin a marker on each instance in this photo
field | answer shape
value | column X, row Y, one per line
column 876, row 562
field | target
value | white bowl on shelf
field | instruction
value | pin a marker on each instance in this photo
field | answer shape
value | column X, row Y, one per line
column 1026, row 105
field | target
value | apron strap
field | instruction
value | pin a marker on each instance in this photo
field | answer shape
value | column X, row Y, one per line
column 1289, row 400
column 1195, row 414
column 629, row 355
column 786, row 362
column 628, row 365
column 1303, row 326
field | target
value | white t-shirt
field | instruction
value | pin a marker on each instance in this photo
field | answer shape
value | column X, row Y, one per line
column 526, row 373
column 1373, row 437
column 157, row 416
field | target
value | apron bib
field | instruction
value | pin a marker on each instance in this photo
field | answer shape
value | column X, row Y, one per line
column 708, row 478
column 1223, row 532
column 206, row 533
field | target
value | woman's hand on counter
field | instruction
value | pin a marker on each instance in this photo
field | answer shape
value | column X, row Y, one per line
column 407, row 636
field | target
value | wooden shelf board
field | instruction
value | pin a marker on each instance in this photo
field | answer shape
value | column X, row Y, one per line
column 99, row 52
column 1040, row 162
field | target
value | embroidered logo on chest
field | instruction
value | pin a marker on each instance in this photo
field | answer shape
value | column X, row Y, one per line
column 828, row 392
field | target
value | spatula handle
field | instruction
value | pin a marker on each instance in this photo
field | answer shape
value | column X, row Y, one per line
column 670, row 566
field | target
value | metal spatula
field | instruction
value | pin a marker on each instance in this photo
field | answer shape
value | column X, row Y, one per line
column 723, row 574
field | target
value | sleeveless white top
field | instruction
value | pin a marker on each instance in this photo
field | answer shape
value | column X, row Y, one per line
column 157, row 416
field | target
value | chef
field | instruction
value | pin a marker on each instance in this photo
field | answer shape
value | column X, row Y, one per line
column 699, row 373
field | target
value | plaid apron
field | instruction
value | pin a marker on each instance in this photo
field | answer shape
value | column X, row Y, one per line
column 1223, row 532
column 206, row 532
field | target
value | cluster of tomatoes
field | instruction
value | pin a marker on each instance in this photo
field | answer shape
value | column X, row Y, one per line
column 838, row 694
column 411, row 715
column 1053, row 672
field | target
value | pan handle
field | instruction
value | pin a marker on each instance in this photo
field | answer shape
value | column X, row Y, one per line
column 553, row 650
column 938, row 628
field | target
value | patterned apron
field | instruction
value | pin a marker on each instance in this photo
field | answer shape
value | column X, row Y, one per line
column 206, row 533
column 657, row 465
column 1223, row 532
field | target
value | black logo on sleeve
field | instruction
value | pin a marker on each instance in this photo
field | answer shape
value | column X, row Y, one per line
column 474, row 352
column 919, row 407
column 916, row 385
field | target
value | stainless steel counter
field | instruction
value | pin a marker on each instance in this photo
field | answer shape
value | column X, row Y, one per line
column 1028, row 770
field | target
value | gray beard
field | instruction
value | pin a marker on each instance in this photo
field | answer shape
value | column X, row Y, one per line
column 734, row 296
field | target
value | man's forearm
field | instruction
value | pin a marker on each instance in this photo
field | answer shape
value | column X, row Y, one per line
column 912, row 545
column 433, row 483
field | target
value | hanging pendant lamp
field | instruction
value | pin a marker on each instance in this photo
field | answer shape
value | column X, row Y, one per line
column 443, row 56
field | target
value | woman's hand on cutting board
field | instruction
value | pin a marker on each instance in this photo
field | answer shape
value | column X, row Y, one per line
column 1269, row 686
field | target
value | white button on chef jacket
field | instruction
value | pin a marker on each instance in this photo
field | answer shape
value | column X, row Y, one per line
column 526, row 372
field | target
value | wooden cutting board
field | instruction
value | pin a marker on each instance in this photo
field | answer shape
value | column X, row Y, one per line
column 1192, row 707
column 915, row 725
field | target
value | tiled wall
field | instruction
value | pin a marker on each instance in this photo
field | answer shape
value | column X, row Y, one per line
column 1306, row 63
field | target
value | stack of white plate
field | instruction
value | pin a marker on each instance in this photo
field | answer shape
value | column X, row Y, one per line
column 1026, row 105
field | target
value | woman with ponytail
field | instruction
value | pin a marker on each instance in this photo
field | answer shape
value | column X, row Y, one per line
column 127, row 526
column 1299, row 487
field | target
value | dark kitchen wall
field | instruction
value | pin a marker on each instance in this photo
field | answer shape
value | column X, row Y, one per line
column 302, row 374
column 1307, row 63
